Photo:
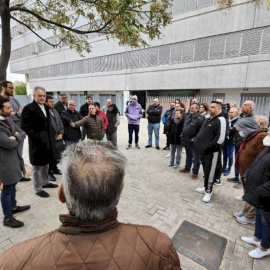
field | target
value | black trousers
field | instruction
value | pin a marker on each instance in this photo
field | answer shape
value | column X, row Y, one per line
column 168, row 141
column 212, row 169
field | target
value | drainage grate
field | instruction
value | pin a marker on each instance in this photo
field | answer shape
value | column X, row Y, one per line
column 200, row 245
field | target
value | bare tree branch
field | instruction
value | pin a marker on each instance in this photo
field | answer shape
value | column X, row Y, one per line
column 22, row 9
column 53, row 45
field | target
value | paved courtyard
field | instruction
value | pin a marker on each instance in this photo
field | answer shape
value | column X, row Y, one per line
column 154, row 194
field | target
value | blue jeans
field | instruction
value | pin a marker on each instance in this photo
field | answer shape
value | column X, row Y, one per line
column 192, row 157
column 70, row 142
column 136, row 129
column 262, row 227
column 228, row 150
column 8, row 199
column 154, row 127
column 178, row 149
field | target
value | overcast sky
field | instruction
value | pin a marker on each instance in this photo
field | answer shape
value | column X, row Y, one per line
column 14, row 76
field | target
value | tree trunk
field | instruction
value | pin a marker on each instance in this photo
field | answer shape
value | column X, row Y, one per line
column 6, row 40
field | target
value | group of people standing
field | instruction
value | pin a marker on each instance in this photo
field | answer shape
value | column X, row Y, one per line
column 209, row 131
column 50, row 129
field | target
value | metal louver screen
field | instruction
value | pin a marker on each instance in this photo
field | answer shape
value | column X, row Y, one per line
column 247, row 42
column 217, row 46
column 176, row 53
column 190, row 5
column 201, row 49
column 164, row 55
column 188, row 48
column 204, row 3
column 233, row 44
column 178, row 7
column 266, row 41
column 251, row 40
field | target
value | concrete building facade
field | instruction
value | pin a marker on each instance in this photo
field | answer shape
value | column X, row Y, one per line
column 204, row 52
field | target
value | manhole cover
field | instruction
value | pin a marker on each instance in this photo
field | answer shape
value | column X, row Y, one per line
column 200, row 245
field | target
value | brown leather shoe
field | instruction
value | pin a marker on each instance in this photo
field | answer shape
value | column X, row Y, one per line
column 194, row 176
column 183, row 170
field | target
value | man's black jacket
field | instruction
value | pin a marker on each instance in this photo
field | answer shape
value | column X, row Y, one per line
column 212, row 135
column 154, row 114
column 192, row 126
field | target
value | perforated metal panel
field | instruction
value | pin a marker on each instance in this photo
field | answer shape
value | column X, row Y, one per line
column 204, row 3
column 110, row 63
column 127, row 60
column 144, row 58
column 217, row 45
column 188, row 48
column 201, row 49
column 188, row 51
column 265, row 48
column 134, row 59
column 164, row 55
column 233, row 44
column 251, row 40
column 176, row 53
column 153, row 56
column 103, row 63
column 178, row 7
column 190, row 5
column 119, row 62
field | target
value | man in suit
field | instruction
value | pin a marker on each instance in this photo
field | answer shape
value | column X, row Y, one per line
column 58, row 129
column 36, row 122
column 11, row 165
column 61, row 105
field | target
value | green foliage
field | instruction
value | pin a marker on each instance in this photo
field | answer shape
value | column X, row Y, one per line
column 131, row 22
column 20, row 88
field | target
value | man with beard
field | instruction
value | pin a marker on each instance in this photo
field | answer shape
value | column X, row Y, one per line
column 209, row 142
column 11, row 165
column 7, row 89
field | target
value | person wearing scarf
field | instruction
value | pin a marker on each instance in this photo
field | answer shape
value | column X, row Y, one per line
column 176, row 126
column 250, row 147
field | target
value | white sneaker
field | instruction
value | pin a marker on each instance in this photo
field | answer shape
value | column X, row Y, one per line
column 200, row 190
column 168, row 155
column 207, row 197
column 239, row 198
column 258, row 254
column 250, row 241
column 244, row 220
column 238, row 214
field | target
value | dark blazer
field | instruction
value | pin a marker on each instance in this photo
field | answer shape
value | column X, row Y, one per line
column 176, row 130
column 11, row 162
column 71, row 133
column 84, row 109
column 257, row 185
column 154, row 113
column 40, row 134
column 59, row 107
column 192, row 126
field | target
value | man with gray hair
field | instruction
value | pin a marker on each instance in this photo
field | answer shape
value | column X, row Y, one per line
column 90, row 236
column 134, row 114
column 36, row 122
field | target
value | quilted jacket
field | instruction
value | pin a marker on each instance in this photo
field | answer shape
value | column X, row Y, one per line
column 106, row 245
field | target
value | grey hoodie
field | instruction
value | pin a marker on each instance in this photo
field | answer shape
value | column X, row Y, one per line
column 248, row 125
